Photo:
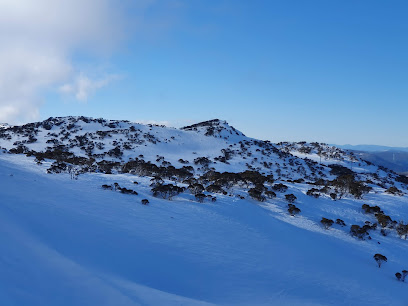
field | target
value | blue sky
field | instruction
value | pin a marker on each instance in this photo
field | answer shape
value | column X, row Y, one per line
column 330, row 71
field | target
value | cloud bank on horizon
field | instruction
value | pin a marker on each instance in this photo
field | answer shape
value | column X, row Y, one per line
column 38, row 41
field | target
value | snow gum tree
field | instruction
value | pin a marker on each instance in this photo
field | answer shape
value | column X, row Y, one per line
column 379, row 258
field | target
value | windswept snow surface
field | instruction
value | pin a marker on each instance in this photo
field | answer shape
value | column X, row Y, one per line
column 68, row 242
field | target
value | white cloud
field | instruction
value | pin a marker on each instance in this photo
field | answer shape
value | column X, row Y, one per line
column 82, row 87
column 38, row 40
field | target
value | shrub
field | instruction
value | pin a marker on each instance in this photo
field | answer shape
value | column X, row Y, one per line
column 166, row 191
column 370, row 226
column 383, row 219
column 293, row 210
column 398, row 276
column 340, row 170
column 326, row 222
column 200, row 197
column 333, row 196
column 371, row 209
column 394, row 191
column 379, row 258
column 215, row 189
column 280, row 187
column 196, row 188
column 402, row 179
column 357, row 231
column 404, row 274
column 156, row 181
column 256, row 194
column 203, row 161
column 291, row 198
column 402, row 230
column 128, row 191
column 115, row 152
column 340, row 222
column 270, row 194
column 253, row 177
column 347, row 184
column 314, row 192
column 107, row 187
column 145, row 201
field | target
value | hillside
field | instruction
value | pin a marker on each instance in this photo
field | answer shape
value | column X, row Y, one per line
column 229, row 219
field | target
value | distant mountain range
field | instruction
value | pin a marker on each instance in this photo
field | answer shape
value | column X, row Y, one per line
column 394, row 158
column 371, row 148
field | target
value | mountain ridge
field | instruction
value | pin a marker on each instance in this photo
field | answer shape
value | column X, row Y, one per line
column 119, row 145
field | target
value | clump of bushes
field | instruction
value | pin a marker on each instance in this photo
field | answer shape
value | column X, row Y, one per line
column 280, row 187
column 116, row 187
column 203, row 161
column 340, row 170
column 347, row 184
column 214, row 188
column 371, row 209
column 127, row 191
column 166, row 191
column 327, row 223
column 291, row 198
column 314, row 192
column 270, row 194
column 256, row 194
column 394, row 191
column 402, row 230
column 358, row 232
column 401, row 276
column 293, row 210
column 200, row 197
column 383, row 220
column 196, row 188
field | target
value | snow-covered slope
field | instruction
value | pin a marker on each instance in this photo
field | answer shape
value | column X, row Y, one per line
column 68, row 241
